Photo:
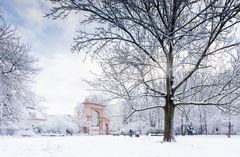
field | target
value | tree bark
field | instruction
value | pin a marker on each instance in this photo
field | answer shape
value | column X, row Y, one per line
column 229, row 129
column 205, row 121
column 182, row 124
column 184, row 121
column 168, row 122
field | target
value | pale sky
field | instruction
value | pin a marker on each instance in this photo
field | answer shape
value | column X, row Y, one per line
column 60, row 81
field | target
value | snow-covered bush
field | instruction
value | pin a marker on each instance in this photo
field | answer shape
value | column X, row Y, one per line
column 57, row 125
column 140, row 126
column 25, row 132
column 9, row 128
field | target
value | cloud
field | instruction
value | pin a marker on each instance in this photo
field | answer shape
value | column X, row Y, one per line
column 39, row 31
column 60, row 82
column 30, row 11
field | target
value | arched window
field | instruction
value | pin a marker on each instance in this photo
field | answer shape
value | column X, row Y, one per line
column 95, row 121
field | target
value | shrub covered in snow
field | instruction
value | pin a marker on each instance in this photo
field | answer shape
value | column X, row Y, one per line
column 57, row 125
column 9, row 128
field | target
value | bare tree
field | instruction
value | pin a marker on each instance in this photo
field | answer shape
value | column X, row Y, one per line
column 157, row 47
column 17, row 69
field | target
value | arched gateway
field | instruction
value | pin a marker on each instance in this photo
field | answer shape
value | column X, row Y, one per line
column 97, row 122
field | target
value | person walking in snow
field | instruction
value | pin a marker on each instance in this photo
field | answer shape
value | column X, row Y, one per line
column 130, row 133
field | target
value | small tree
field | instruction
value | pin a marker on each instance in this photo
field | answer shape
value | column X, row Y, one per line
column 80, row 117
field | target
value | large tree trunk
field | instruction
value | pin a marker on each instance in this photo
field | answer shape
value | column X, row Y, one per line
column 168, row 122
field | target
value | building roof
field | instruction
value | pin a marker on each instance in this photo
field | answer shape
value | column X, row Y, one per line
column 38, row 114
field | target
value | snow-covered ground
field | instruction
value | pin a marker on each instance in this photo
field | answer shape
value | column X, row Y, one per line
column 119, row 146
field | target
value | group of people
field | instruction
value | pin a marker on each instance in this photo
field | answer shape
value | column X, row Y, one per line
column 132, row 133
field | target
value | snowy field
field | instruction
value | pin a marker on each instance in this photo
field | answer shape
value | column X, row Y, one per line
column 119, row 146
